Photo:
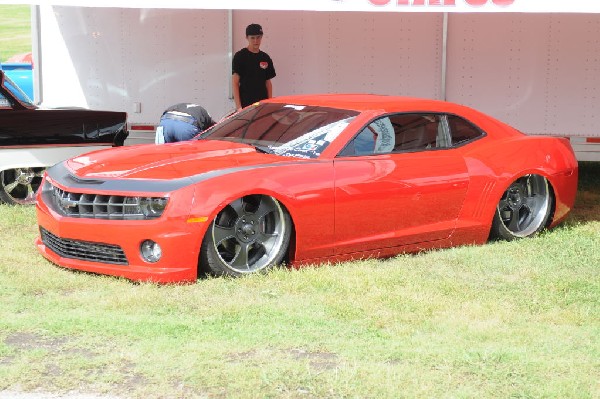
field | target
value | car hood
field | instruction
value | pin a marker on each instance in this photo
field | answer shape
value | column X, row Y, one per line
column 169, row 161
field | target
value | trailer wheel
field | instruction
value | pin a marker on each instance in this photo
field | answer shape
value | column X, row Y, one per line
column 18, row 186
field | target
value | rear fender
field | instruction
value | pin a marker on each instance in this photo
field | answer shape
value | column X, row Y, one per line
column 491, row 174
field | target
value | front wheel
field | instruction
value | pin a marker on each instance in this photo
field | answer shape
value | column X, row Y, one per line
column 524, row 209
column 249, row 235
column 18, row 186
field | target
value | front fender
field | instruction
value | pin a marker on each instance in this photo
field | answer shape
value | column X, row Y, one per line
column 305, row 189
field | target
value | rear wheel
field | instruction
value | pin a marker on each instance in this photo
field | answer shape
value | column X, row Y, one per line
column 18, row 186
column 524, row 209
column 249, row 235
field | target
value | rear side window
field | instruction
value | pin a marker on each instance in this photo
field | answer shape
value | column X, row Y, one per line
column 462, row 131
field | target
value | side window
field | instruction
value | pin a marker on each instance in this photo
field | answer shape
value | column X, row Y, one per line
column 462, row 131
column 416, row 132
column 398, row 133
column 364, row 143
column 377, row 138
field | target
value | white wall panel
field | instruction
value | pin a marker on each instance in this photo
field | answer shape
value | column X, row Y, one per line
column 324, row 52
column 117, row 57
column 540, row 73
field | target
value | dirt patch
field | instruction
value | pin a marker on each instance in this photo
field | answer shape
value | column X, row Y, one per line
column 31, row 341
column 318, row 360
column 15, row 394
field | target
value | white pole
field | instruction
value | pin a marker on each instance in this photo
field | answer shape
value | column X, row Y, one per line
column 444, row 55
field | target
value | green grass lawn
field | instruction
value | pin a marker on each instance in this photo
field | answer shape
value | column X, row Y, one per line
column 508, row 319
column 15, row 30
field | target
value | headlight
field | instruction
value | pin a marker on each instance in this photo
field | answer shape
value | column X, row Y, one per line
column 144, row 207
column 152, row 207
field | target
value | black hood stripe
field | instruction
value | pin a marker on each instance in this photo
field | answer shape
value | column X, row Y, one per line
column 60, row 174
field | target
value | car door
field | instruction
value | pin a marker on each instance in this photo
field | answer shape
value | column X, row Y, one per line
column 398, row 182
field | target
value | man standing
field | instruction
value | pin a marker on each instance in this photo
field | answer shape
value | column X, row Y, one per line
column 252, row 71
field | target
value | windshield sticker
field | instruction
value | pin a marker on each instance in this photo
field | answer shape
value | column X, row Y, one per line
column 296, row 107
column 312, row 144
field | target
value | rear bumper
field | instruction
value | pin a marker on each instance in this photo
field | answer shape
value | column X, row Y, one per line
column 565, row 191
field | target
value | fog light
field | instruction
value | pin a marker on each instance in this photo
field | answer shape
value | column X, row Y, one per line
column 151, row 251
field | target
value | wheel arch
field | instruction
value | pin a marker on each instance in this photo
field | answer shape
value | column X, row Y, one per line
column 284, row 199
column 549, row 157
column 506, row 182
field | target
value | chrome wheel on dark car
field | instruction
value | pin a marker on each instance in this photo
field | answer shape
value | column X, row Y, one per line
column 524, row 209
column 18, row 186
column 249, row 235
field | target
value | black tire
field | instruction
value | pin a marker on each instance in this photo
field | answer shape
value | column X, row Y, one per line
column 524, row 209
column 18, row 186
column 250, row 235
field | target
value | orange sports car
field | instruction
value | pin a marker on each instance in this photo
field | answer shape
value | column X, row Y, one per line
column 300, row 180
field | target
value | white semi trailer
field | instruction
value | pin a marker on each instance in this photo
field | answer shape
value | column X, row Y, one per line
column 534, row 64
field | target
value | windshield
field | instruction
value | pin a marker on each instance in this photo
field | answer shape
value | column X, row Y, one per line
column 284, row 129
column 15, row 91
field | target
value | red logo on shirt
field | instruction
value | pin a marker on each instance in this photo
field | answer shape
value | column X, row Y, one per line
column 264, row 65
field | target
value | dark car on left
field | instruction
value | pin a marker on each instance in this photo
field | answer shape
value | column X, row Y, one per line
column 33, row 138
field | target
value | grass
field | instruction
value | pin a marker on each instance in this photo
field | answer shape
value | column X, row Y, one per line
column 510, row 319
column 15, row 30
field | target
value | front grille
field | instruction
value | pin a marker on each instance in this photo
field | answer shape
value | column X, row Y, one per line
column 95, row 206
column 84, row 250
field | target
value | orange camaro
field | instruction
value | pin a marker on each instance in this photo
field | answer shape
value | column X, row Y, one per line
column 304, row 179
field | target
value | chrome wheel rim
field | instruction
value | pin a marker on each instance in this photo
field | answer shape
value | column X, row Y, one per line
column 524, row 205
column 20, row 185
column 248, row 233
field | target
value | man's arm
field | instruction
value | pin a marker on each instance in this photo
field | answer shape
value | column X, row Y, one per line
column 235, row 82
column 269, row 88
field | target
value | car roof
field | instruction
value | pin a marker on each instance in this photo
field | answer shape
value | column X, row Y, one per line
column 366, row 102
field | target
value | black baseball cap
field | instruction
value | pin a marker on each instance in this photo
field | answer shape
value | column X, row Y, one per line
column 254, row 30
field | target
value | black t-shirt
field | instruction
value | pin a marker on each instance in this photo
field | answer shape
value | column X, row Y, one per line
column 254, row 70
column 203, row 118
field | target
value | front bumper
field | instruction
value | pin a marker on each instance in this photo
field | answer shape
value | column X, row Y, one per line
column 180, row 242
